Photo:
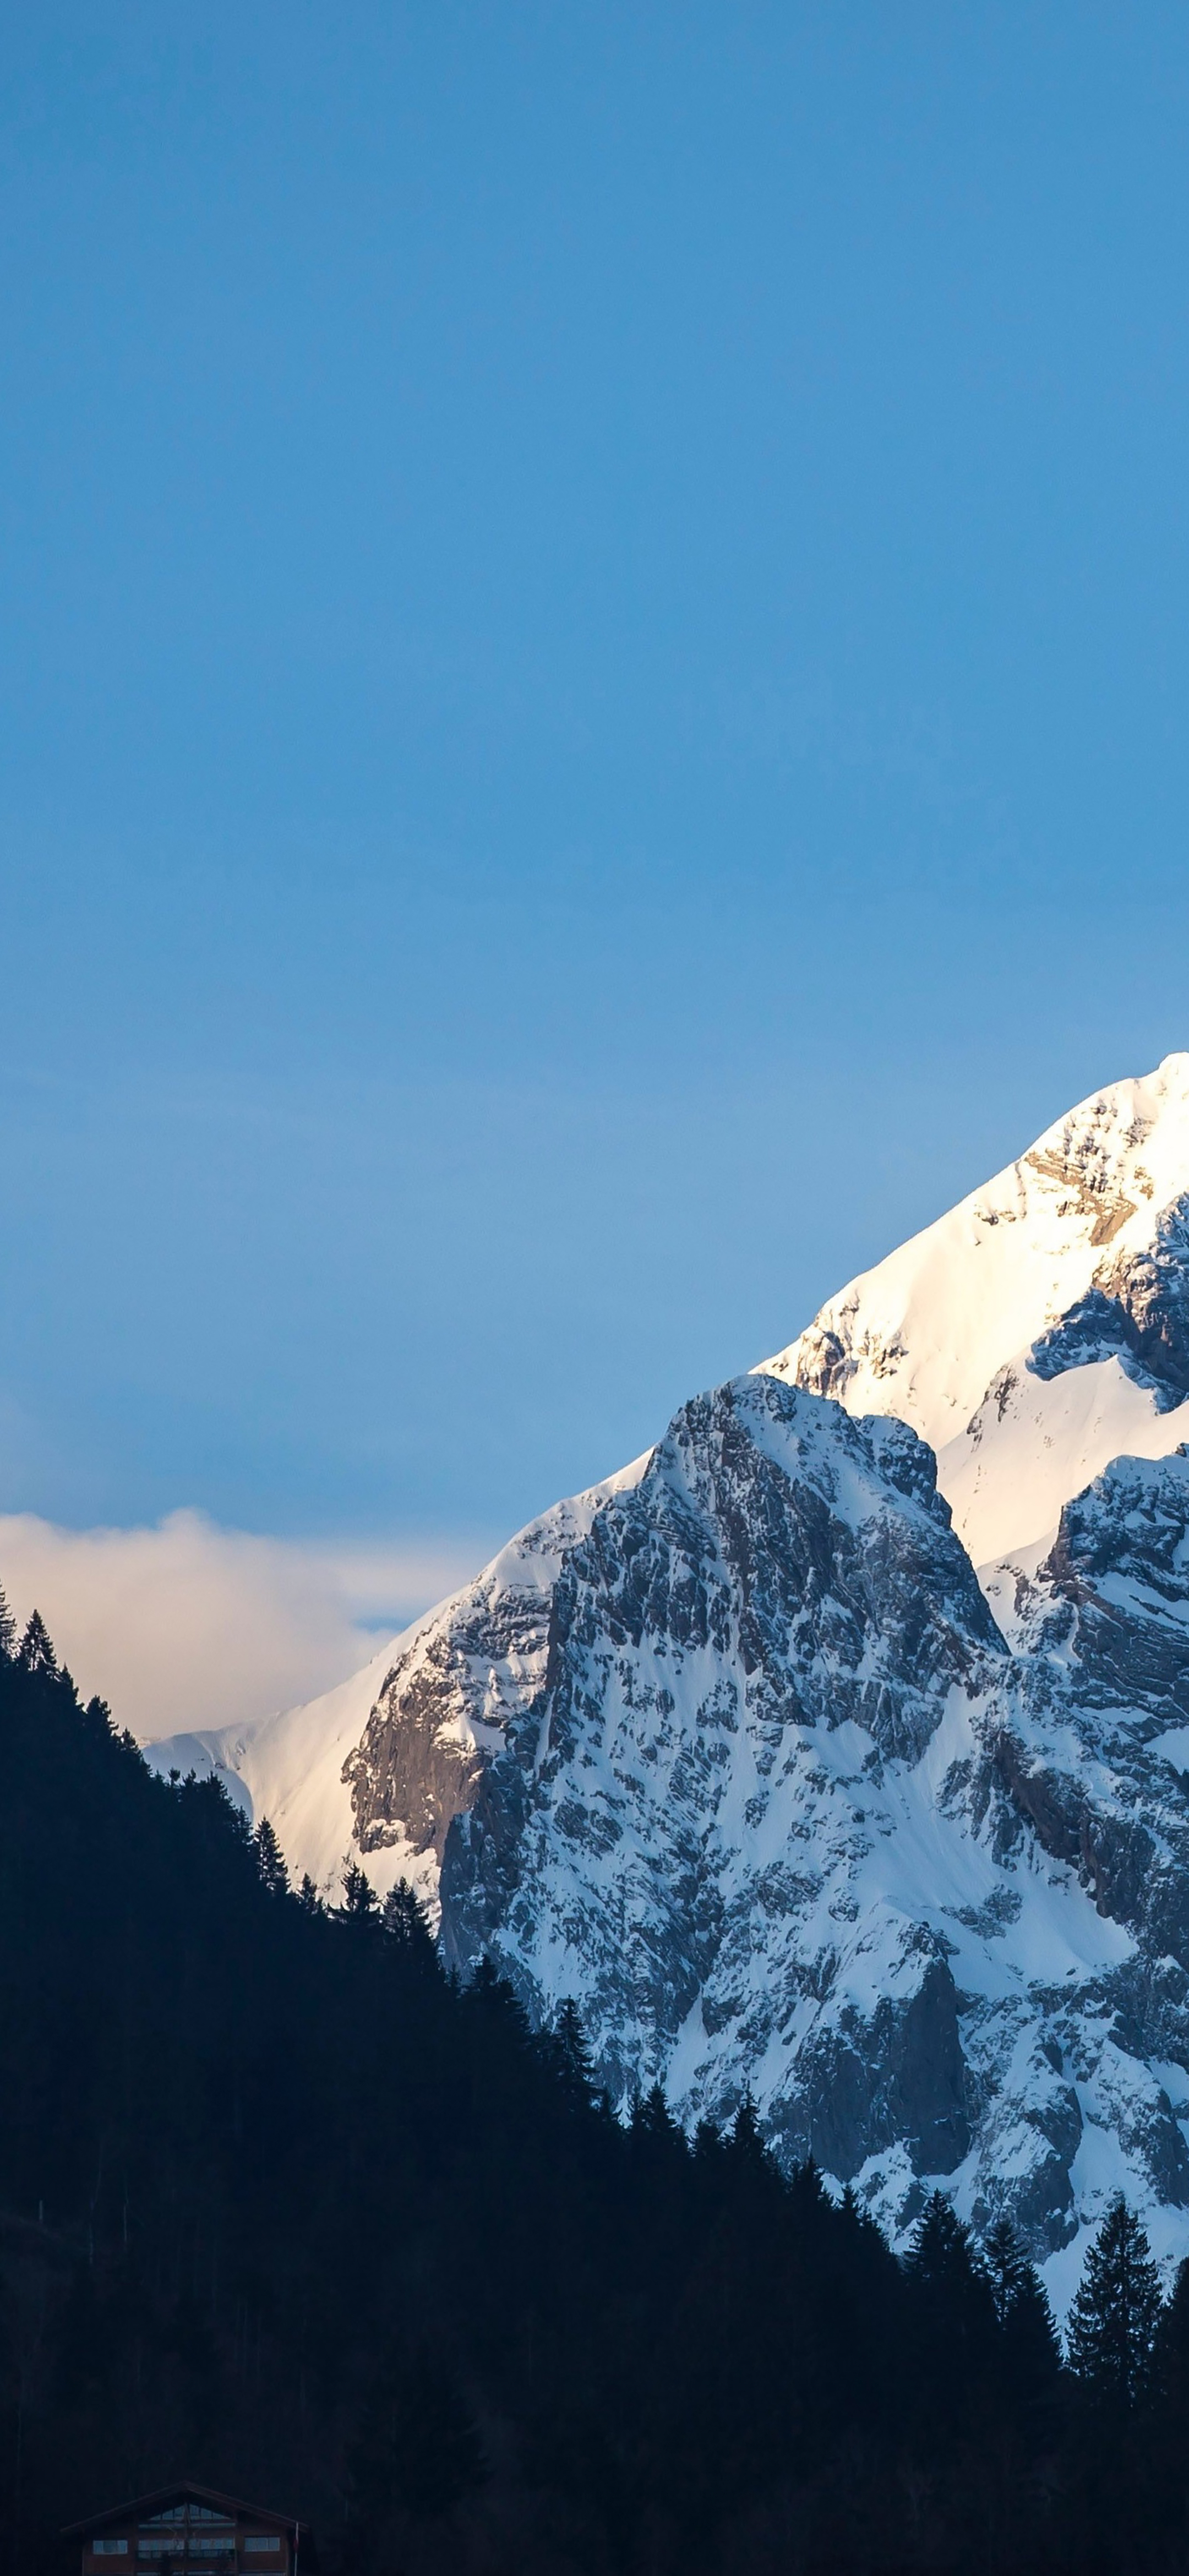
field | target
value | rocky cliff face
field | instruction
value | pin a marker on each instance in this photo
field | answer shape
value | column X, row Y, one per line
column 743, row 1651
column 740, row 1751
column 459, row 1680
column 790, row 1815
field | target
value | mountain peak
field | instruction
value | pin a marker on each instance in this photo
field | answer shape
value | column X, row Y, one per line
column 955, row 1331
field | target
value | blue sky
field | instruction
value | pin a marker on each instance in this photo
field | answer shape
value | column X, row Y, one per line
column 593, row 726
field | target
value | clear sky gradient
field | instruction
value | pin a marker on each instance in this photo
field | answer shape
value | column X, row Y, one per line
column 595, row 662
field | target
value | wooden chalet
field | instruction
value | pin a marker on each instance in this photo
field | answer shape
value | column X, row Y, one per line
column 189, row 2528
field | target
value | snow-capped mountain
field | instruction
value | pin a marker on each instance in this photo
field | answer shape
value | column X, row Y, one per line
column 1042, row 1327
column 741, row 1751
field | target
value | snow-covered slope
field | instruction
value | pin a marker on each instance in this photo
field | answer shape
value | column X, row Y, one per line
column 1034, row 1441
column 739, row 1750
column 979, row 1331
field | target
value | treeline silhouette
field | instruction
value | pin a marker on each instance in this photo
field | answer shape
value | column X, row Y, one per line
column 284, row 2209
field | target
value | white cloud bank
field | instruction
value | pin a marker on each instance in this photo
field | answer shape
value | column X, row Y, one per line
column 188, row 1625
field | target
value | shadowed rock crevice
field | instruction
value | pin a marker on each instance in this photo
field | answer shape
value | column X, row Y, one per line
column 1136, row 1308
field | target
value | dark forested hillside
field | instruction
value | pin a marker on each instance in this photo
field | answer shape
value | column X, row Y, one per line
column 283, row 2209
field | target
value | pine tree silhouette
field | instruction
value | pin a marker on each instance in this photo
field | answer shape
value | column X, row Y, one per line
column 571, row 2057
column 270, row 1859
column 954, row 2328
column 35, row 1654
column 747, row 2146
column 404, row 1920
column 942, row 2256
column 8, row 1628
column 652, row 2118
column 1029, row 2350
column 1114, row 2318
column 1007, row 2267
column 359, row 1896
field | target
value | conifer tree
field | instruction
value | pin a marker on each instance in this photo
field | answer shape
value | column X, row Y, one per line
column 1008, row 2268
column 359, row 1896
column 747, row 2145
column 1114, row 2319
column 652, row 2118
column 35, row 1654
column 404, row 1920
column 270, row 1859
column 807, row 2191
column 570, row 2056
column 1029, row 2351
column 8, row 1629
column 942, row 2255
column 954, row 2314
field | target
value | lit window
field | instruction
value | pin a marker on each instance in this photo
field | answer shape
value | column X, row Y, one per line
column 109, row 2548
column 263, row 2540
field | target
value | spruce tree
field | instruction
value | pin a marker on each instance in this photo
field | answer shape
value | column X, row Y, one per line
column 570, row 2056
column 404, row 1920
column 747, row 2146
column 953, row 2316
column 1008, row 2268
column 652, row 2118
column 35, row 1654
column 1029, row 2351
column 270, row 1859
column 359, row 1896
column 8, row 1629
column 1114, row 2318
column 942, row 2257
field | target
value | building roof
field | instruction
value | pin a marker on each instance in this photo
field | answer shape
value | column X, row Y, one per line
column 183, row 2491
